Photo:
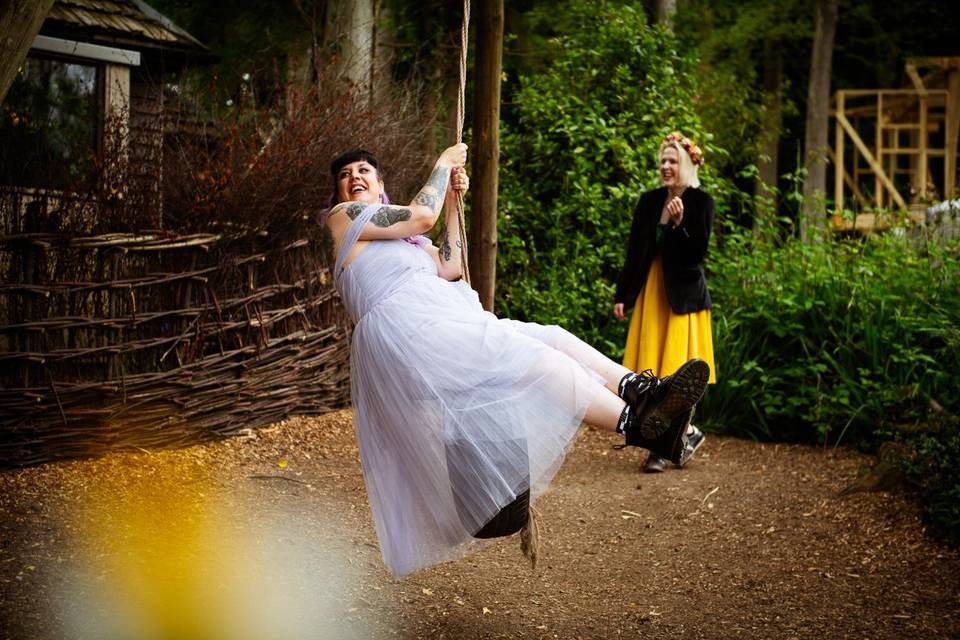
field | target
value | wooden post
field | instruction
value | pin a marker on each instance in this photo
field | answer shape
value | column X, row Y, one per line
column 482, row 233
column 20, row 22
column 952, row 132
column 838, row 166
column 117, row 121
column 878, row 170
column 923, row 136
column 856, row 155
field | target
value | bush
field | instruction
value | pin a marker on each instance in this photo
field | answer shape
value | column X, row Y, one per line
column 841, row 340
column 580, row 148
column 933, row 467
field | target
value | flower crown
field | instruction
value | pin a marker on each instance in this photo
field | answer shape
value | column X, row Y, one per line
column 695, row 153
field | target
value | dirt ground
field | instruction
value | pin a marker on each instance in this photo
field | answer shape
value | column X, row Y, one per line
column 270, row 536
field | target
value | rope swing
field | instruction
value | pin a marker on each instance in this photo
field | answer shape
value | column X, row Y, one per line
column 461, row 108
column 464, row 457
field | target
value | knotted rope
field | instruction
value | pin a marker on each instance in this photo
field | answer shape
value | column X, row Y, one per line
column 530, row 534
column 461, row 108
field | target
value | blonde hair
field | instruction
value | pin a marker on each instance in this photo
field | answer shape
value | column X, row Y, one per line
column 687, row 176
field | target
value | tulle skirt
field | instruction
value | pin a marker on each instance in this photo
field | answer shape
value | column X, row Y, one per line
column 438, row 383
column 661, row 340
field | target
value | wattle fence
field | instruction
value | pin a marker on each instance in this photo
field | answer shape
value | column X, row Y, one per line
column 157, row 339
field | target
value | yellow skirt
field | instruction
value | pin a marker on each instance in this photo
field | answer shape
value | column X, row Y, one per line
column 661, row 340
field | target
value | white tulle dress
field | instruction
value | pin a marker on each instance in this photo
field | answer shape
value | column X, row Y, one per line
column 431, row 369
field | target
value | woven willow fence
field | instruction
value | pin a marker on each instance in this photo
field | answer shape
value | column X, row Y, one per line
column 155, row 339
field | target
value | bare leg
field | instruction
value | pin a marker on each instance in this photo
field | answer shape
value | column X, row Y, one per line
column 605, row 410
column 562, row 340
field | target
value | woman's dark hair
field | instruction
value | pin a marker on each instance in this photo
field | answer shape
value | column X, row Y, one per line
column 349, row 157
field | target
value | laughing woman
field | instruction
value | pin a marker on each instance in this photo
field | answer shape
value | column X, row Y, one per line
column 432, row 371
column 662, row 277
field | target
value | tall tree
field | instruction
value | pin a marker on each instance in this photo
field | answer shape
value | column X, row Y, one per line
column 666, row 9
column 486, row 149
column 351, row 27
column 818, row 107
column 770, row 135
column 20, row 22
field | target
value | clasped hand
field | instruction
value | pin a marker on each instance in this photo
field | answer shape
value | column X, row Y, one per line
column 672, row 212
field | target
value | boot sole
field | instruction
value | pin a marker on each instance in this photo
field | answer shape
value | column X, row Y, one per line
column 686, row 389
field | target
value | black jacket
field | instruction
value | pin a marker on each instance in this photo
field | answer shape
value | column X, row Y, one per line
column 683, row 248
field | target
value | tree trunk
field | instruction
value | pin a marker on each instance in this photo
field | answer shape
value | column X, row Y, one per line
column 818, row 106
column 383, row 46
column 482, row 236
column 768, row 162
column 665, row 12
column 351, row 29
column 20, row 22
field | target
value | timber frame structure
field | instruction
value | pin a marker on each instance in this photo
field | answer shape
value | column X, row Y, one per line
column 896, row 149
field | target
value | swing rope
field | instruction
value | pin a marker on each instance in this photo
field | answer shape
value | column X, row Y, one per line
column 461, row 108
column 530, row 533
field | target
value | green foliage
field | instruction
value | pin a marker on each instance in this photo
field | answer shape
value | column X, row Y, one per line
column 843, row 341
column 933, row 466
column 582, row 147
column 839, row 340
column 736, row 41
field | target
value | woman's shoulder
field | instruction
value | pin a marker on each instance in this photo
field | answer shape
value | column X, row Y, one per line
column 647, row 198
column 698, row 194
column 654, row 193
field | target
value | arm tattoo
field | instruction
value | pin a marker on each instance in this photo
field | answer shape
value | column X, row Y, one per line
column 433, row 192
column 445, row 250
column 387, row 216
column 354, row 210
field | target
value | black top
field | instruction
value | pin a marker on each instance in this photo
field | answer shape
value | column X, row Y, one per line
column 684, row 248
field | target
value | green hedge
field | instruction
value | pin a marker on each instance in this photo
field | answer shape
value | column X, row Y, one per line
column 838, row 340
column 851, row 341
column 580, row 147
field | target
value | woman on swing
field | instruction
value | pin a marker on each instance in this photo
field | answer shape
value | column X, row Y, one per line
column 429, row 367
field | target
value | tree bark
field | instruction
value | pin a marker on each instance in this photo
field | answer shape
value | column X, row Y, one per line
column 20, row 22
column 818, row 107
column 350, row 28
column 768, row 164
column 665, row 12
column 482, row 234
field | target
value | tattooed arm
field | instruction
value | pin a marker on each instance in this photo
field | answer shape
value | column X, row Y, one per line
column 450, row 265
column 393, row 221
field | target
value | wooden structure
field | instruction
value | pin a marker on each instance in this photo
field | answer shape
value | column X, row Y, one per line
column 118, row 328
column 895, row 150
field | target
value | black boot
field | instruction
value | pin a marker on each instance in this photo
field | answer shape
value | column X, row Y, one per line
column 659, row 409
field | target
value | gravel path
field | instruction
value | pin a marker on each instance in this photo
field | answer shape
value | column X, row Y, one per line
column 270, row 536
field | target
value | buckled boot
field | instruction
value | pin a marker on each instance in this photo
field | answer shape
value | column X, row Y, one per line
column 660, row 408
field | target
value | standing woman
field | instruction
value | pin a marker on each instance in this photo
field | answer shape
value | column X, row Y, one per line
column 662, row 277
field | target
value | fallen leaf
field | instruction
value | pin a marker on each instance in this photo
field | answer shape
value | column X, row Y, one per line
column 282, row 464
column 427, row 592
column 486, row 611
